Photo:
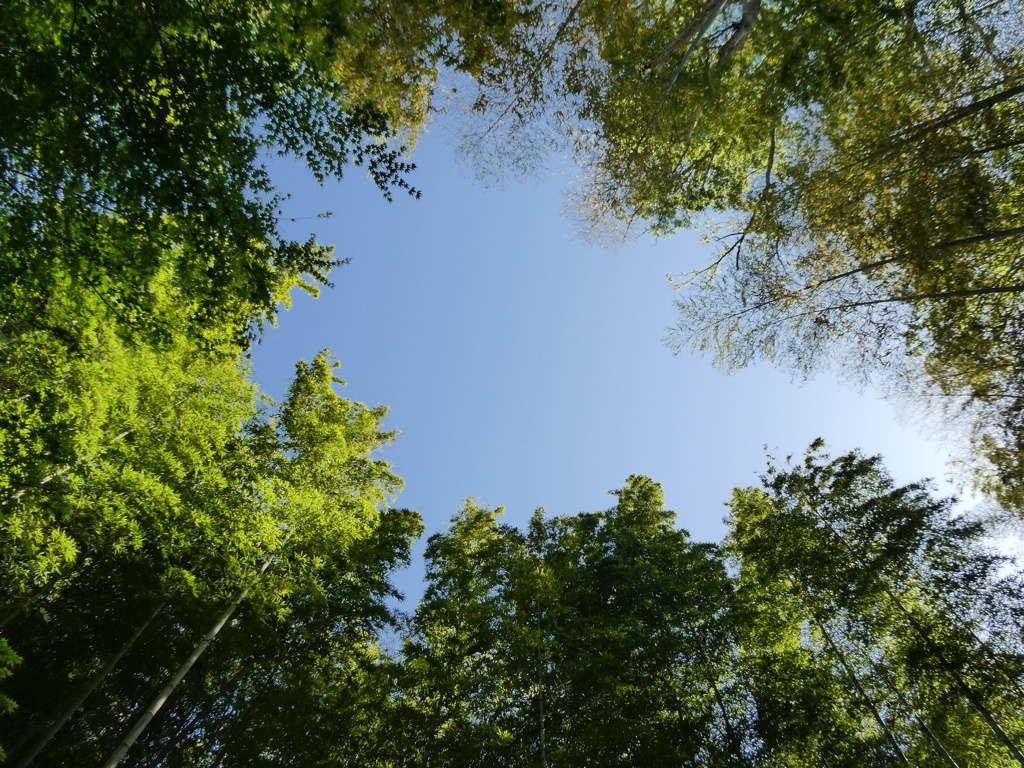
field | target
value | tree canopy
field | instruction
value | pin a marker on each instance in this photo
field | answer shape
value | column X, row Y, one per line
column 845, row 621
column 131, row 139
column 166, row 524
column 192, row 574
column 857, row 164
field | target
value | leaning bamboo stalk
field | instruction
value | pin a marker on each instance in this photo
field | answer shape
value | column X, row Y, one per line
column 972, row 696
column 74, row 705
column 907, row 706
column 860, row 690
column 966, row 689
column 155, row 706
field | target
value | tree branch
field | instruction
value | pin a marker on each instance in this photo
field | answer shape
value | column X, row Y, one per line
column 750, row 10
column 708, row 21
column 922, row 129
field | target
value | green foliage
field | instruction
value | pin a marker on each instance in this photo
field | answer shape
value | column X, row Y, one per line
column 101, row 441
column 859, row 164
column 590, row 639
column 306, row 685
column 848, row 622
column 143, row 483
column 881, row 236
column 8, row 660
column 882, row 598
column 140, row 252
column 130, row 142
column 182, row 510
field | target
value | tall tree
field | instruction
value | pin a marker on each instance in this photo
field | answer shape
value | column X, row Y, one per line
column 896, row 598
column 130, row 143
column 597, row 637
column 207, row 516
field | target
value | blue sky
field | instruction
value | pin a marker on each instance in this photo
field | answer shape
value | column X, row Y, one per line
column 525, row 368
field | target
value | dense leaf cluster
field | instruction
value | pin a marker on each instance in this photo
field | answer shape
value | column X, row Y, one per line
column 142, row 491
column 143, row 483
column 845, row 621
column 129, row 145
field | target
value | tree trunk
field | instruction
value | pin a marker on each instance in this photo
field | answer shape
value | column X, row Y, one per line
column 92, row 685
column 685, row 36
column 746, row 23
column 921, row 130
column 860, row 690
column 730, row 732
column 969, row 693
column 122, row 749
column 947, row 758
column 709, row 19
column 540, row 696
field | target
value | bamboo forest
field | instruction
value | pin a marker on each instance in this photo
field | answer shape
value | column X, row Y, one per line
column 193, row 573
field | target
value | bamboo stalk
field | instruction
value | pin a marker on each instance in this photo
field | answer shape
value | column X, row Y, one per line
column 157, row 704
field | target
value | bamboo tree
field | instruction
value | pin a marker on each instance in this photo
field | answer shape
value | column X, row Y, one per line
column 946, row 757
column 311, row 686
column 968, row 691
column 571, row 643
column 857, row 546
column 76, row 703
column 852, row 676
column 161, row 698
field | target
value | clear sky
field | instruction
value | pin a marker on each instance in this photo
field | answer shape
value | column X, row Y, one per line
column 525, row 368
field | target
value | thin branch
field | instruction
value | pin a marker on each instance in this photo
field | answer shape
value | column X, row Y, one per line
column 913, row 297
column 545, row 58
column 708, row 21
column 751, row 8
column 921, row 129
column 684, row 37
column 771, row 158
column 990, row 236
column 863, row 694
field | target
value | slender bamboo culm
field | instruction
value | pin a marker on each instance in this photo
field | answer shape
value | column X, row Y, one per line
column 92, row 685
column 122, row 749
